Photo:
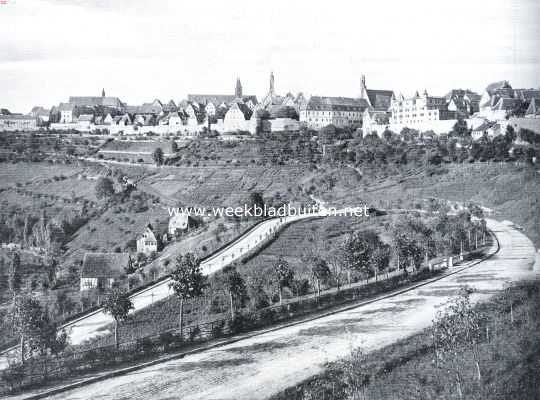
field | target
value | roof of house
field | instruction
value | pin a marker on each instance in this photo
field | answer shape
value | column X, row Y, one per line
column 505, row 103
column 86, row 117
column 20, row 117
column 66, row 107
column 380, row 99
column 242, row 108
column 93, row 101
column 484, row 126
column 495, row 86
column 534, row 106
column 527, row 94
column 218, row 98
column 104, row 265
column 325, row 103
column 149, row 231
column 179, row 220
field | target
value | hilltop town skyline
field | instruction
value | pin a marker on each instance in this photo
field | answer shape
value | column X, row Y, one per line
column 142, row 51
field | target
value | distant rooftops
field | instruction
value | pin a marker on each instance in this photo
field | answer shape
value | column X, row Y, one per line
column 326, row 103
column 93, row 101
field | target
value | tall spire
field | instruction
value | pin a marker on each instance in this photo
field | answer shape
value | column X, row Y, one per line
column 103, row 92
column 238, row 89
column 363, row 88
column 272, row 91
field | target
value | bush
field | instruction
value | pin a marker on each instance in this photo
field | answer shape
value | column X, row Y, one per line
column 144, row 345
column 217, row 329
column 166, row 339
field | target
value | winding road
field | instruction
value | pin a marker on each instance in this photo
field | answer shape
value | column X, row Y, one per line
column 262, row 365
column 92, row 324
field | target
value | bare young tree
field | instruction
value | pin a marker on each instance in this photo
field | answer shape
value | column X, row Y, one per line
column 458, row 330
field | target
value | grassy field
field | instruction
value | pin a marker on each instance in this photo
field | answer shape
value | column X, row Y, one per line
column 21, row 173
column 512, row 191
column 218, row 186
column 509, row 357
column 320, row 236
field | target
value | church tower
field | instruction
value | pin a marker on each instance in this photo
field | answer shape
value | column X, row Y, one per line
column 363, row 88
column 272, row 91
column 238, row 89
column 103, row 92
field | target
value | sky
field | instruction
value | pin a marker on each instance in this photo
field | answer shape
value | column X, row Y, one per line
column 139, row 50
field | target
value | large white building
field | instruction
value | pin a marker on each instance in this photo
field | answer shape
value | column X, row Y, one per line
column 319, row 111
column 17, row 122
column 417, row 111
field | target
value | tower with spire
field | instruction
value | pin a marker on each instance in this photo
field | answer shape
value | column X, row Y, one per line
column 363, row 88
column 238, row 89
column 272, row 90
column 103, row 92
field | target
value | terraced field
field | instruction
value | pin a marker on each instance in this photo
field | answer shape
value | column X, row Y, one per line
column 198, row 186
column 21, row 173
column 320, row 236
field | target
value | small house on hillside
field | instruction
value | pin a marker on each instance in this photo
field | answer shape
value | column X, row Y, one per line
column 179, row 223
column 102, row 270
column 152, row 238
column 147, row 243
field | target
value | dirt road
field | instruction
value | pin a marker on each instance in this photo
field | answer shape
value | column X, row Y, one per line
column 258, row 367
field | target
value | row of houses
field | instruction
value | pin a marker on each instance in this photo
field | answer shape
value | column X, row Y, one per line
column 374, row 110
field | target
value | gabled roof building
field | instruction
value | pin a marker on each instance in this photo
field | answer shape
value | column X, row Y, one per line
column 101, row 270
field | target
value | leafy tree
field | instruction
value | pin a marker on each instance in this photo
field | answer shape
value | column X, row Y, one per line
column 256, row 199
column 460, row 129
column 320, row 272
column 104, row 188
column 63, row 304
column 412, row 240
column 380, row 258
column 187, row 281
column 117, row 304
column 283, row 276
column 510, row 134
column 174, row 146
column 357, row 252
column 33, row 326
column 157, row 156
column 14, row 274
column 235, row 286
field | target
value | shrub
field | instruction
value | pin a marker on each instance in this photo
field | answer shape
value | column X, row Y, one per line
column 217, row 329
column 166, row 339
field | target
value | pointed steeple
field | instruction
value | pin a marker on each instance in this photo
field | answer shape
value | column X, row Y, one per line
column 363, row 88
column 272, row 90
column 238, row 89
column 425, row 93
column 103, row 92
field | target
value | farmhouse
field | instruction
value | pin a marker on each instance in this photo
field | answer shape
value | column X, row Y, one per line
column 102, row 270
column 147, row 243
column 179, row 223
